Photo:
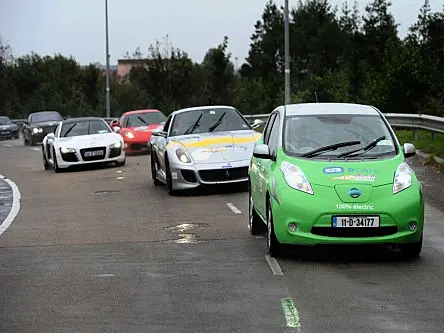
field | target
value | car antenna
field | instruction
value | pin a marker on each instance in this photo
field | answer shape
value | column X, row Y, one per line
column 316, row 96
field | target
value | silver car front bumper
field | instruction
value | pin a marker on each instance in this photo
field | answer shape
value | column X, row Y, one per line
column 187, row 177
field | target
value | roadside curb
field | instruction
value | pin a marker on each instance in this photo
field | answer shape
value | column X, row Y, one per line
column 424, row 155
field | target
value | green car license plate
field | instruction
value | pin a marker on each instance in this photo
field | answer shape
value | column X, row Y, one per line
column 355, row 221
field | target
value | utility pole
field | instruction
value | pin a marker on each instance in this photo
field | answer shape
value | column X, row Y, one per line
column 287, row 53
column 108, row 111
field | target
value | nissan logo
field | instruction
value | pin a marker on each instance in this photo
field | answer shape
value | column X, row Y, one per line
column 354, row 193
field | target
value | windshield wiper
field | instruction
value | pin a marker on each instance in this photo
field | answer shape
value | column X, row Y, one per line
column 217, row 123
column 195, row 125
column 69, row 130
column 365, row 149
column 335, row 146
column 142, row 120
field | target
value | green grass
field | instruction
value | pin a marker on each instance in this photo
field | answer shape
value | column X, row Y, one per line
column 424, row 141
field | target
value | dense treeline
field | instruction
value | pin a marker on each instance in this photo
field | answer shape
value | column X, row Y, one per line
column 337, row 55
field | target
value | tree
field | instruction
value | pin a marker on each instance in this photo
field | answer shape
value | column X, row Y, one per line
column 5, row 84
column 218, row 74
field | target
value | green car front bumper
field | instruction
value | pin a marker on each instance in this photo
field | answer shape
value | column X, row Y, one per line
column 313, row 216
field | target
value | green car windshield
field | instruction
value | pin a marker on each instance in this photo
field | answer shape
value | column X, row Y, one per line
column 307, row 133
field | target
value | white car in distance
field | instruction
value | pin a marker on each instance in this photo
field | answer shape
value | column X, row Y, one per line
column 78, row 141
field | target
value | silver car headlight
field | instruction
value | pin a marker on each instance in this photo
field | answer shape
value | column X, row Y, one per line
column 403, row 178
column 183, row 155
column 65, row 150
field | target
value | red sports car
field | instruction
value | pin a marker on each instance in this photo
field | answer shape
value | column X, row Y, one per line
column 136, row 127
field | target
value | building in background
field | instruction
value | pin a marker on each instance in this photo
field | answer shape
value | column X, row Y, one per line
column 124, row 66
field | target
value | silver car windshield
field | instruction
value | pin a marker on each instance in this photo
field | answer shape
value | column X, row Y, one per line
column 84, row 127
column 208, row 120
column 304, row 134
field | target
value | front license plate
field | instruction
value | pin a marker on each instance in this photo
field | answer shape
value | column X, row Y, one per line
column 94, row 153
column 4, row 133
column 355, row 221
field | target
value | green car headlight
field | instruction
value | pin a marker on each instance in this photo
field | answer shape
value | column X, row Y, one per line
column 295, row 178
column 403, row 178
column 182, row 155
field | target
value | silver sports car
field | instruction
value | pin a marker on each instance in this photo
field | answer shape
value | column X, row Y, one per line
column 202, row 145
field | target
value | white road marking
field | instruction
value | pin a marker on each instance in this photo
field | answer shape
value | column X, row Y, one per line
column 119, row 178
column 35, row 149
column 106, row 275
column 274, row 265
column 119, row 171
column 16, row 197
column 233, row 208
column 291, row 313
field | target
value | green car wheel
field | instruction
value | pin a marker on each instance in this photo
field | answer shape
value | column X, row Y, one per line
column 255, row 224
column 274, row 248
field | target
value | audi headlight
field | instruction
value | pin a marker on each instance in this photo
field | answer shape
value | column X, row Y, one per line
column 403, row 178
column 129, row 135
column 65, row 150
column 116, row 144
column 295, row 178
column 183, row 155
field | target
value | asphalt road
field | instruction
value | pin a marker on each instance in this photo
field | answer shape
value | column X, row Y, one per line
column 103, row 250
column 5, row 199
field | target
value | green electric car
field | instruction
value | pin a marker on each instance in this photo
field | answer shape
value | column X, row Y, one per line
column 333, row 173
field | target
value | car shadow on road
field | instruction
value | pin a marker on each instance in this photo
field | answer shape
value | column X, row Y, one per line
column 89, row 167
column 205, row 190
column 345, row 254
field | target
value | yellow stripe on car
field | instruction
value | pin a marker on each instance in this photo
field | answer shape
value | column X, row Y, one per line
column 219, row 141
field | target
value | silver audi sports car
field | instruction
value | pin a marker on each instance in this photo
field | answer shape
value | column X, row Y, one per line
column 202, row 145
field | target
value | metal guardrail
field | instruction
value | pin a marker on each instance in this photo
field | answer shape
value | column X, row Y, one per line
column 397, row 120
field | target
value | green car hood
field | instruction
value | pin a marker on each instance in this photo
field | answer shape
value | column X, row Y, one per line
column 343, row 174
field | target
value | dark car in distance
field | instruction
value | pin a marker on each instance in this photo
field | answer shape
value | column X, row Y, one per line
column 38, row 125
column 8, row 130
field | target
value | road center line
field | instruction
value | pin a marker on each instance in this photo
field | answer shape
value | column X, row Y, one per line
column 105, row 275
column 15, row 205
column 291, row 313
column 234, row 209
column 274, row 265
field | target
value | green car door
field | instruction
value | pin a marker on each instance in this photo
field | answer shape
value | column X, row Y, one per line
column 261, row 169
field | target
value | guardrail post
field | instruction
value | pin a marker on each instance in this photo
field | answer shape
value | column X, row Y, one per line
column 414, row 135
column 433, row 136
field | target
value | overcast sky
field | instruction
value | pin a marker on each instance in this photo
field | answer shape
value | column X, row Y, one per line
column 77, row 27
